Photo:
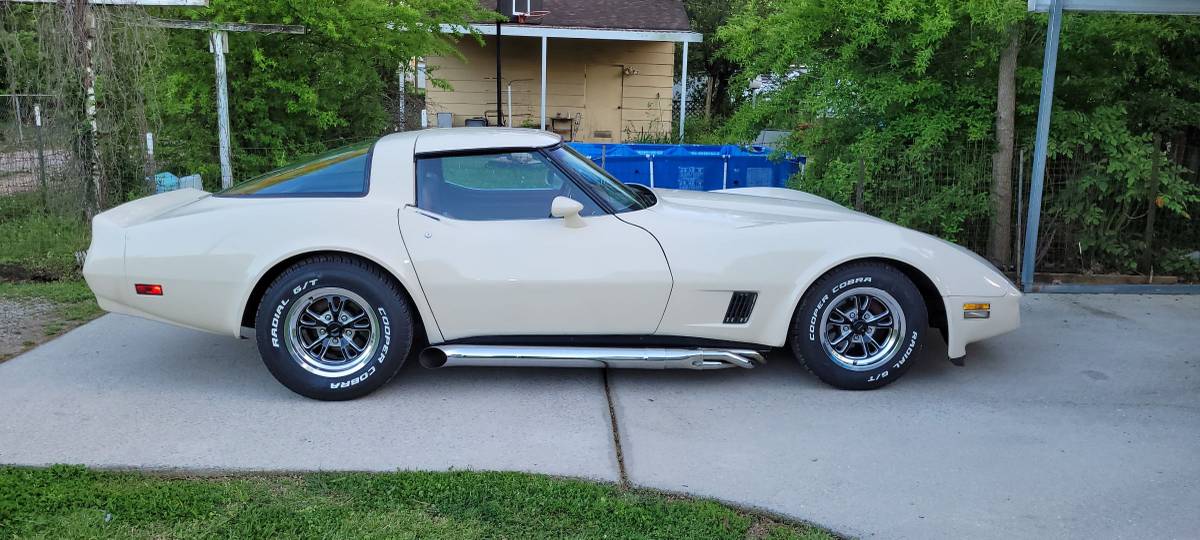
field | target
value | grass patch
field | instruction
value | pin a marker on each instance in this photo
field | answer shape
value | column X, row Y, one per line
column 73, row 302
column 75, row 502
column 35, row 244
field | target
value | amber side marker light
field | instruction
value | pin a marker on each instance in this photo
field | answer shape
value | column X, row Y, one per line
column 147, row 289
column 977, row 311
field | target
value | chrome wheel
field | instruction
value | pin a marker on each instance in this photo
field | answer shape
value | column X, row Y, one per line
column 862, row 328
column 332, row 332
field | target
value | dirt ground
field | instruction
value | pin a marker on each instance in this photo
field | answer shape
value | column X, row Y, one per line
column 24, row 325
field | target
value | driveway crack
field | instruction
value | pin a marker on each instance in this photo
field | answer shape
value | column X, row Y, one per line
column 616, row 432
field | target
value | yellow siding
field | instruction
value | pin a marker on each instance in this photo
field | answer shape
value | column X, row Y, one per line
column 645, row 89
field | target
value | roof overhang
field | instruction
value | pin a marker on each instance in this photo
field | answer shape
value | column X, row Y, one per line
column 561, row 32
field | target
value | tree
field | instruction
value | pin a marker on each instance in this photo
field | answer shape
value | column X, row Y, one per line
column 294, row 94
column 706, row 17
column 1000, row 229
column 928, row 100
column 907, row 88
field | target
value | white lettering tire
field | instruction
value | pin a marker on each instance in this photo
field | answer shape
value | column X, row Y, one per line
column 334, row 327
column 860, row 326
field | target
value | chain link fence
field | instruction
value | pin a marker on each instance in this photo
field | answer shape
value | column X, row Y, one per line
column 37, row 155
column 1099, row 224
column 1102, row 222
column 944, row 194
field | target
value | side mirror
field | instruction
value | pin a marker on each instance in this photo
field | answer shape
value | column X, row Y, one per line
column 568, row 209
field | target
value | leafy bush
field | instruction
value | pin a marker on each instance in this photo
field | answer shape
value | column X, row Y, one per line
column 908, row 89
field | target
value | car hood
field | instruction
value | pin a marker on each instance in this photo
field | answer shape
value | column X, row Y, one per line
column 752, row 207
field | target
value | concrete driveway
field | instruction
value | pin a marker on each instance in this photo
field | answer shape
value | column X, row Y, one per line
column 1085, row 423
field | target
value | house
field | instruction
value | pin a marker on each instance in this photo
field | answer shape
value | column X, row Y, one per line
column 592, row 70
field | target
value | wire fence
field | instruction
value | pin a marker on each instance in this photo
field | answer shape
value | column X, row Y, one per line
column 1098, row 224
column 945, row 194
column 37, row 155
column 1098, row 220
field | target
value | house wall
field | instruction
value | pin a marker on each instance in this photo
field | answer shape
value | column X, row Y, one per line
column 629, row 82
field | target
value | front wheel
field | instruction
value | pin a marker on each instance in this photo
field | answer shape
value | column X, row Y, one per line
column 333, row 328
column 860, row 326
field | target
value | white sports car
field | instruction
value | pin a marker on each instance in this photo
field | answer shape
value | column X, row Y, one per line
column 504, row 247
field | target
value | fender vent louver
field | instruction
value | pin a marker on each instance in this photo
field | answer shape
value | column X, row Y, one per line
column 740, row 306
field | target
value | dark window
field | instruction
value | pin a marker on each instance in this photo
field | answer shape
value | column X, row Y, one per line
column 509, row 185
column 341, row 172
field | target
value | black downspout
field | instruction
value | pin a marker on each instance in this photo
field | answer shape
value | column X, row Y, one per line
column 499, row 105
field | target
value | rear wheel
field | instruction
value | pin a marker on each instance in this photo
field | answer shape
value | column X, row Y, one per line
column 334, row 328
column 859, row 326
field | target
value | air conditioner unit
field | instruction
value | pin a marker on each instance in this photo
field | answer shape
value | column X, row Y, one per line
column 523, row 11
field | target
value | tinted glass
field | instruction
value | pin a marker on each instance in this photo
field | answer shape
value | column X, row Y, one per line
column 510, row 185
column 341, row 172
column 616, row 194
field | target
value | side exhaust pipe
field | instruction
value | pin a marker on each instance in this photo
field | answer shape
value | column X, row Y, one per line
column 439, row 356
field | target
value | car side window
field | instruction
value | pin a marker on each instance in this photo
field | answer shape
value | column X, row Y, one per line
column 499, row 186
column 339, row 173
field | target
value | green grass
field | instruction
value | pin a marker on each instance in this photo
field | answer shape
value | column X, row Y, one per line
column 74, row 502
column 37, row 244
column 73, row 301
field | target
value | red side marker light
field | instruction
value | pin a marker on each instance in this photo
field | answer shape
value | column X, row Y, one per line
column 148, row 289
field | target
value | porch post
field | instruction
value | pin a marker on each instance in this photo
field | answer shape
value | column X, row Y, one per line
column 543, row 101
column 683, row 91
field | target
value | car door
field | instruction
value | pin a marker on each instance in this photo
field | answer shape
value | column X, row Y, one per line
column 491, row 260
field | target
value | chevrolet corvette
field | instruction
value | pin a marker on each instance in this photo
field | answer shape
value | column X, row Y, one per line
column 505, row 247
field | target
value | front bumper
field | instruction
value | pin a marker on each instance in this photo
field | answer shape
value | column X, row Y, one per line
column 1005, row 317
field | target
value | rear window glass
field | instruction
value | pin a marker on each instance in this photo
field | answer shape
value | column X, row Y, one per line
column 341, row 172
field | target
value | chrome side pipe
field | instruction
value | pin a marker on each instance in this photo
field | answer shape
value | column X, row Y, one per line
column 439, row 356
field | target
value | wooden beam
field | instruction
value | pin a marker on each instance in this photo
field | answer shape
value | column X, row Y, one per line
column 231, row 27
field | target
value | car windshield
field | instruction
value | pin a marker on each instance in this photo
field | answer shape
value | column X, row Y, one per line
column 338, row 172
column 619, row 196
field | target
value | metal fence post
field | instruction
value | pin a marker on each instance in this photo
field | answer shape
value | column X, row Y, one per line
column 858, row 188
column 17, row 115
column 725, row 171
column 1038, row 178
column 37, row 121
column 1151, row 207
column 1020, row 203
column 150, row 165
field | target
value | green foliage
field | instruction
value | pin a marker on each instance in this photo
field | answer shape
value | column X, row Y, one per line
column 895, row 71
column 909, row 89
column 1121, row 80
column 75, row 502
column 293, row 95
column 35, row 244
column 1101, row 199
column 706, row 58
column 906, row 87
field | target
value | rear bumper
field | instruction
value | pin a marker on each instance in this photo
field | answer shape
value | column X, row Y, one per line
column 104, row 267
column 129, row 247
column 1005, row 317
